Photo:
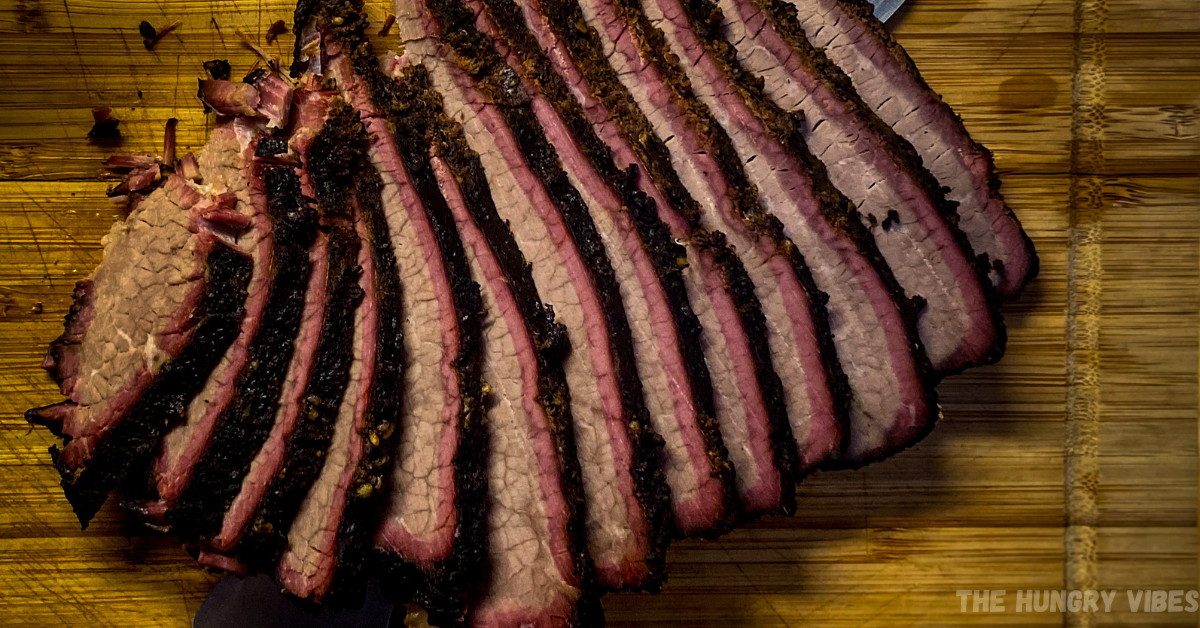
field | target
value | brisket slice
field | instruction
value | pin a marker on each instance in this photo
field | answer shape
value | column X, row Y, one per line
column 433, row 523
column 913, row 224
column 309, row 110
column 889, row 82
column 266, row 534
column 647, row 261
column 893, row 401
column 337, row 519
column 151, row 324
column 535, row 482
column 226, row 163
column 798, row 337
column 247, row 419
column 748, row 399
column 618, row 449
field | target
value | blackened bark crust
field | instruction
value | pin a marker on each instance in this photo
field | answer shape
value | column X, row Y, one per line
column 243, row 427
column 668, row 258
column 135, row 439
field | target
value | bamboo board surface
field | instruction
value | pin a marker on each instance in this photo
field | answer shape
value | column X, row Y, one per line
column 1071, row 464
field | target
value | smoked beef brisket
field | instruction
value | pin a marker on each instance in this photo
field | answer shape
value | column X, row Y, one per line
column 494, row 320
column 432, row 529
column 893, row 401
column 534, row 478
column 912, row 223
column 748, row 400
column 618, row 449
column 146, row 329
column 799, row 336
column 245, row 422
column 888, row 81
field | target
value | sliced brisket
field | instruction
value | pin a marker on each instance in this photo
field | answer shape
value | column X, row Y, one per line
column 148, row 327
column 227, row 164
column 889, row 82
column 433, row 523
column 309, row 110
column 893, row 401
column 905, row 210
column 798, row 335
column 617, row 446
column 244, row 424
column 538, row 564
column 647, row 262
column 748, row 397
column 266, row 534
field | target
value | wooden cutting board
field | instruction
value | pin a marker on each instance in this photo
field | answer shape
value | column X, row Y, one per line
column 1071, row 464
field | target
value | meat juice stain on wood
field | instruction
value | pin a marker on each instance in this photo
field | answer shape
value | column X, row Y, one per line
column 983, row 525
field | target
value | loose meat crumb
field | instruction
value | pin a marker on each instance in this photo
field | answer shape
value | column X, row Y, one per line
column 277, row 29
column 386, row 29
column 104, row 131
column 154, row 36
column 218, row 69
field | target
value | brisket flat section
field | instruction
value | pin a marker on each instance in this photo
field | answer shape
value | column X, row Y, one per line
column 266, row 535
column 433, row 521
column 129, row 414
column 617, row 447
column 647, row 261
column 226, row 163
column 331, row 518
column 748, row 402
column 557, row 270
column 246, row 421
column 893, row 402
column 309, row 110
column 913, row 224
column 889, row 82
column 153, row 320
column 798, row 338
column 532, row 440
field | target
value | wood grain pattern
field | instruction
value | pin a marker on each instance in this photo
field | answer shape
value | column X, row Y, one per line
column 981, row 504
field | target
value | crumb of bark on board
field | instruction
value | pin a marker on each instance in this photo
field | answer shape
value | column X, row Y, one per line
column 151, row 36
column 168, row 155
column 218, row 69
column 386, row 29
column 277, row 29
column 104, row 132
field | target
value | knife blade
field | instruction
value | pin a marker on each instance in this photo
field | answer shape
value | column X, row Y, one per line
column 885, row 9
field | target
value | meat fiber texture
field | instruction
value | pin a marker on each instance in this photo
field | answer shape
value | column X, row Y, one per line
column 245, row 423
column 147, row 328
column 531, row 528
column 795, row 322
column 564, row 591
column 900, row 202
column 309, row 109
column 748, row 397
column 432, row 524
column 306, row 568
column 892, row 397
column 889, row 82
column 615, row 441
column 665, row 330
column 225, row 165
